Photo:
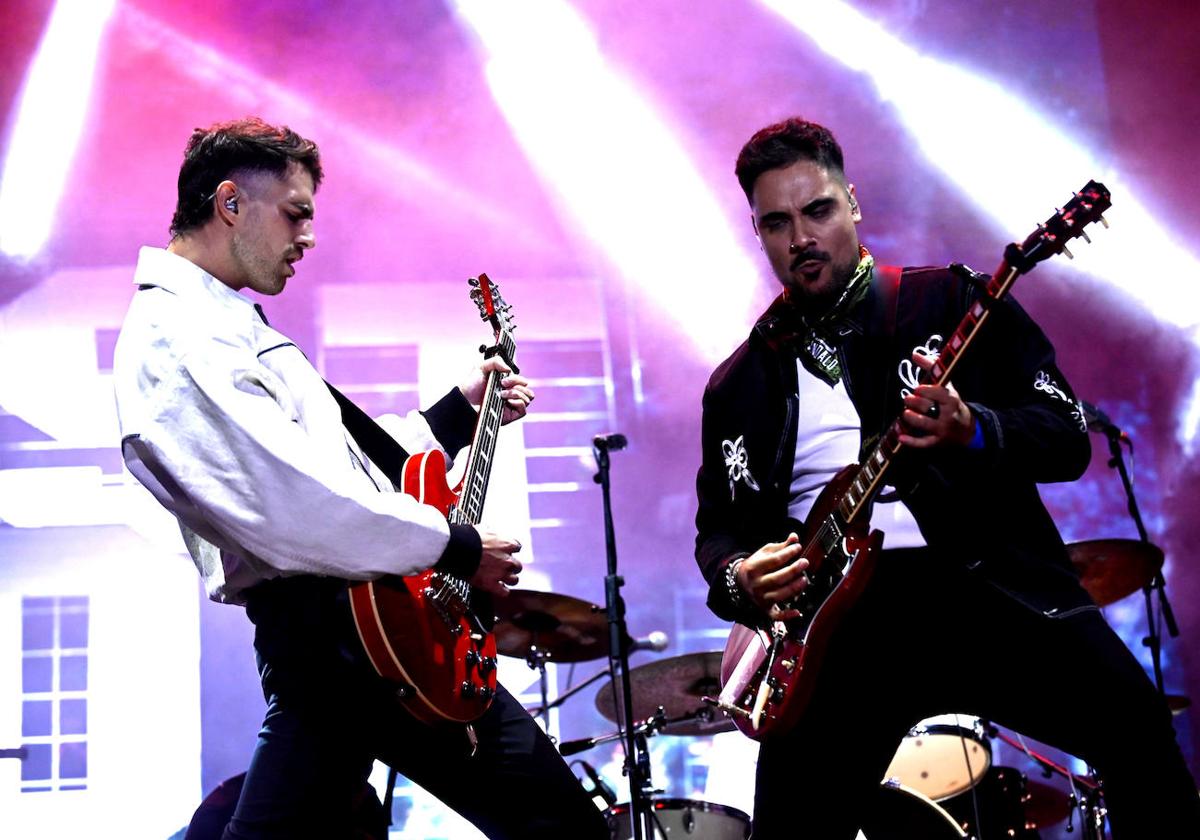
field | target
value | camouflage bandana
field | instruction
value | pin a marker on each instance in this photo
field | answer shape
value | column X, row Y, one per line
column 817, row 345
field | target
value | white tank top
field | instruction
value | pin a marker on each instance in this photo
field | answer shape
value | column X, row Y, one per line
column 827, row 440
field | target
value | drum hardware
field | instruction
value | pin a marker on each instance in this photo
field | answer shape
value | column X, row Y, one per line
column 1086, row 797
column 683, row 686
column 676, row 818
column 656, row 724
column 566, row 695
column 1092, row 814
column 555, row 627
column 644, row 728
column 1045, row 805
column 998, row 807
column 542, row 627
column 1098, row 421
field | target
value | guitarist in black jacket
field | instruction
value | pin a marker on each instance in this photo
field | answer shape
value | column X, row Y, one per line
column 974, row 606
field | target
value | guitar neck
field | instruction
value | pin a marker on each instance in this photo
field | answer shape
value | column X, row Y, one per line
column 869, row 479
column 469, row 510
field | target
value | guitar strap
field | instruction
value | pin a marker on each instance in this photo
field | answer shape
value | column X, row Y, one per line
column 889, row 294
column 889, row 291
column 888, row 283
column 382, row 449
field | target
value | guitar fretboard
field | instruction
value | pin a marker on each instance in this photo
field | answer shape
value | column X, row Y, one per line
column 469, row 510
column 869, row 478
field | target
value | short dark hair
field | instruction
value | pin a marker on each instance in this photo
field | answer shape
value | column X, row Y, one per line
column 245, row 145
column 784, row 143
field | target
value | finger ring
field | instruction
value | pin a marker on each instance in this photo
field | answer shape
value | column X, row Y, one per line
column 934, row 411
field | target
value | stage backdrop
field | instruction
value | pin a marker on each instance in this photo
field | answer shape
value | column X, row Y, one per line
column 581, row 153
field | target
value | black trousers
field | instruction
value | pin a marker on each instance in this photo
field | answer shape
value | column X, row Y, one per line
column 328, row 719
column 928, row 639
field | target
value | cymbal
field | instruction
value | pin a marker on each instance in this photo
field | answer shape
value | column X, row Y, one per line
column 565, row 629
column 1045, row 805
column 1112, row 569
column 676, row 683
column 1177, row 703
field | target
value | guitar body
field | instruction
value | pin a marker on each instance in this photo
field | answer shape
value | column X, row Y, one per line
column 419, row 631
column 769, row 675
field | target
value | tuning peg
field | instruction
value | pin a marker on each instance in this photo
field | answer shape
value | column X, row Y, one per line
column 1086, row 238
column 1104, row 221
column 1070, row 256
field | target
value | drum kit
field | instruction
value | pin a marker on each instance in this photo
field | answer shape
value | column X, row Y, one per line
column 942, row 782
column 668, row 698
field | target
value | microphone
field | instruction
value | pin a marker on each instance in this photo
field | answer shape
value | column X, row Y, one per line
column 656, row 641
column 600, row 787
column 610, row 442
column 1098, row 421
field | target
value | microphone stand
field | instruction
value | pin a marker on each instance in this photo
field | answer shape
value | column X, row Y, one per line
column 637, row 759
column 1152, row 640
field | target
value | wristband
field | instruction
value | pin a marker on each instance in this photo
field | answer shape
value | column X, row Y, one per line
column 737, row 595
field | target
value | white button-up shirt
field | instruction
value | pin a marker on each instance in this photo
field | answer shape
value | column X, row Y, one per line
column 231, row 428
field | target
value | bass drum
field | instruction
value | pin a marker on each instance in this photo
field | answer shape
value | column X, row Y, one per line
column 942, row 756
column 684, row 818
column 899, row 813
column 999, row 802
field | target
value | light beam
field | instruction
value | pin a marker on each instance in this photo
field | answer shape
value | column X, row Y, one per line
column 1010, row 159
column 50, row 117
column 616, row 166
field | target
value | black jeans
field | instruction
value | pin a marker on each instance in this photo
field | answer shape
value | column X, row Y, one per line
column 927, row 639
column 328, row 719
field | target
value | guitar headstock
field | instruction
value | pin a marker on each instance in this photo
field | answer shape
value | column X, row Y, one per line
column 492, row 307
column 1052, row 235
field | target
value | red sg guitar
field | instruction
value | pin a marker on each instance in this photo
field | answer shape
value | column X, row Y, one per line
column 430, row 633
column 767, row 675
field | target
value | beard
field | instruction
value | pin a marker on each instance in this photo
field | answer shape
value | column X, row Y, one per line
column 814, row 303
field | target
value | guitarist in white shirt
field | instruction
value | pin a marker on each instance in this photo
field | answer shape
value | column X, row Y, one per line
column 233, row 431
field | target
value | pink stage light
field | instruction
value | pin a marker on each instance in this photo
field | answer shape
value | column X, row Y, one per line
column 616, row 167
column 260, row 94
column 50, row 117
column 1021, row 171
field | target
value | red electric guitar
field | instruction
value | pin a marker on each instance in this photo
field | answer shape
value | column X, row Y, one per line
column 430, row 633
column 767, row 675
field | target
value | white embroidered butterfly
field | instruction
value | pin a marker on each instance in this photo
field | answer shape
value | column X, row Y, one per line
column 737, row 459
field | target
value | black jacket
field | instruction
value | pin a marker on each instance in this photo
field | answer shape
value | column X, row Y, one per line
column 978, row 507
